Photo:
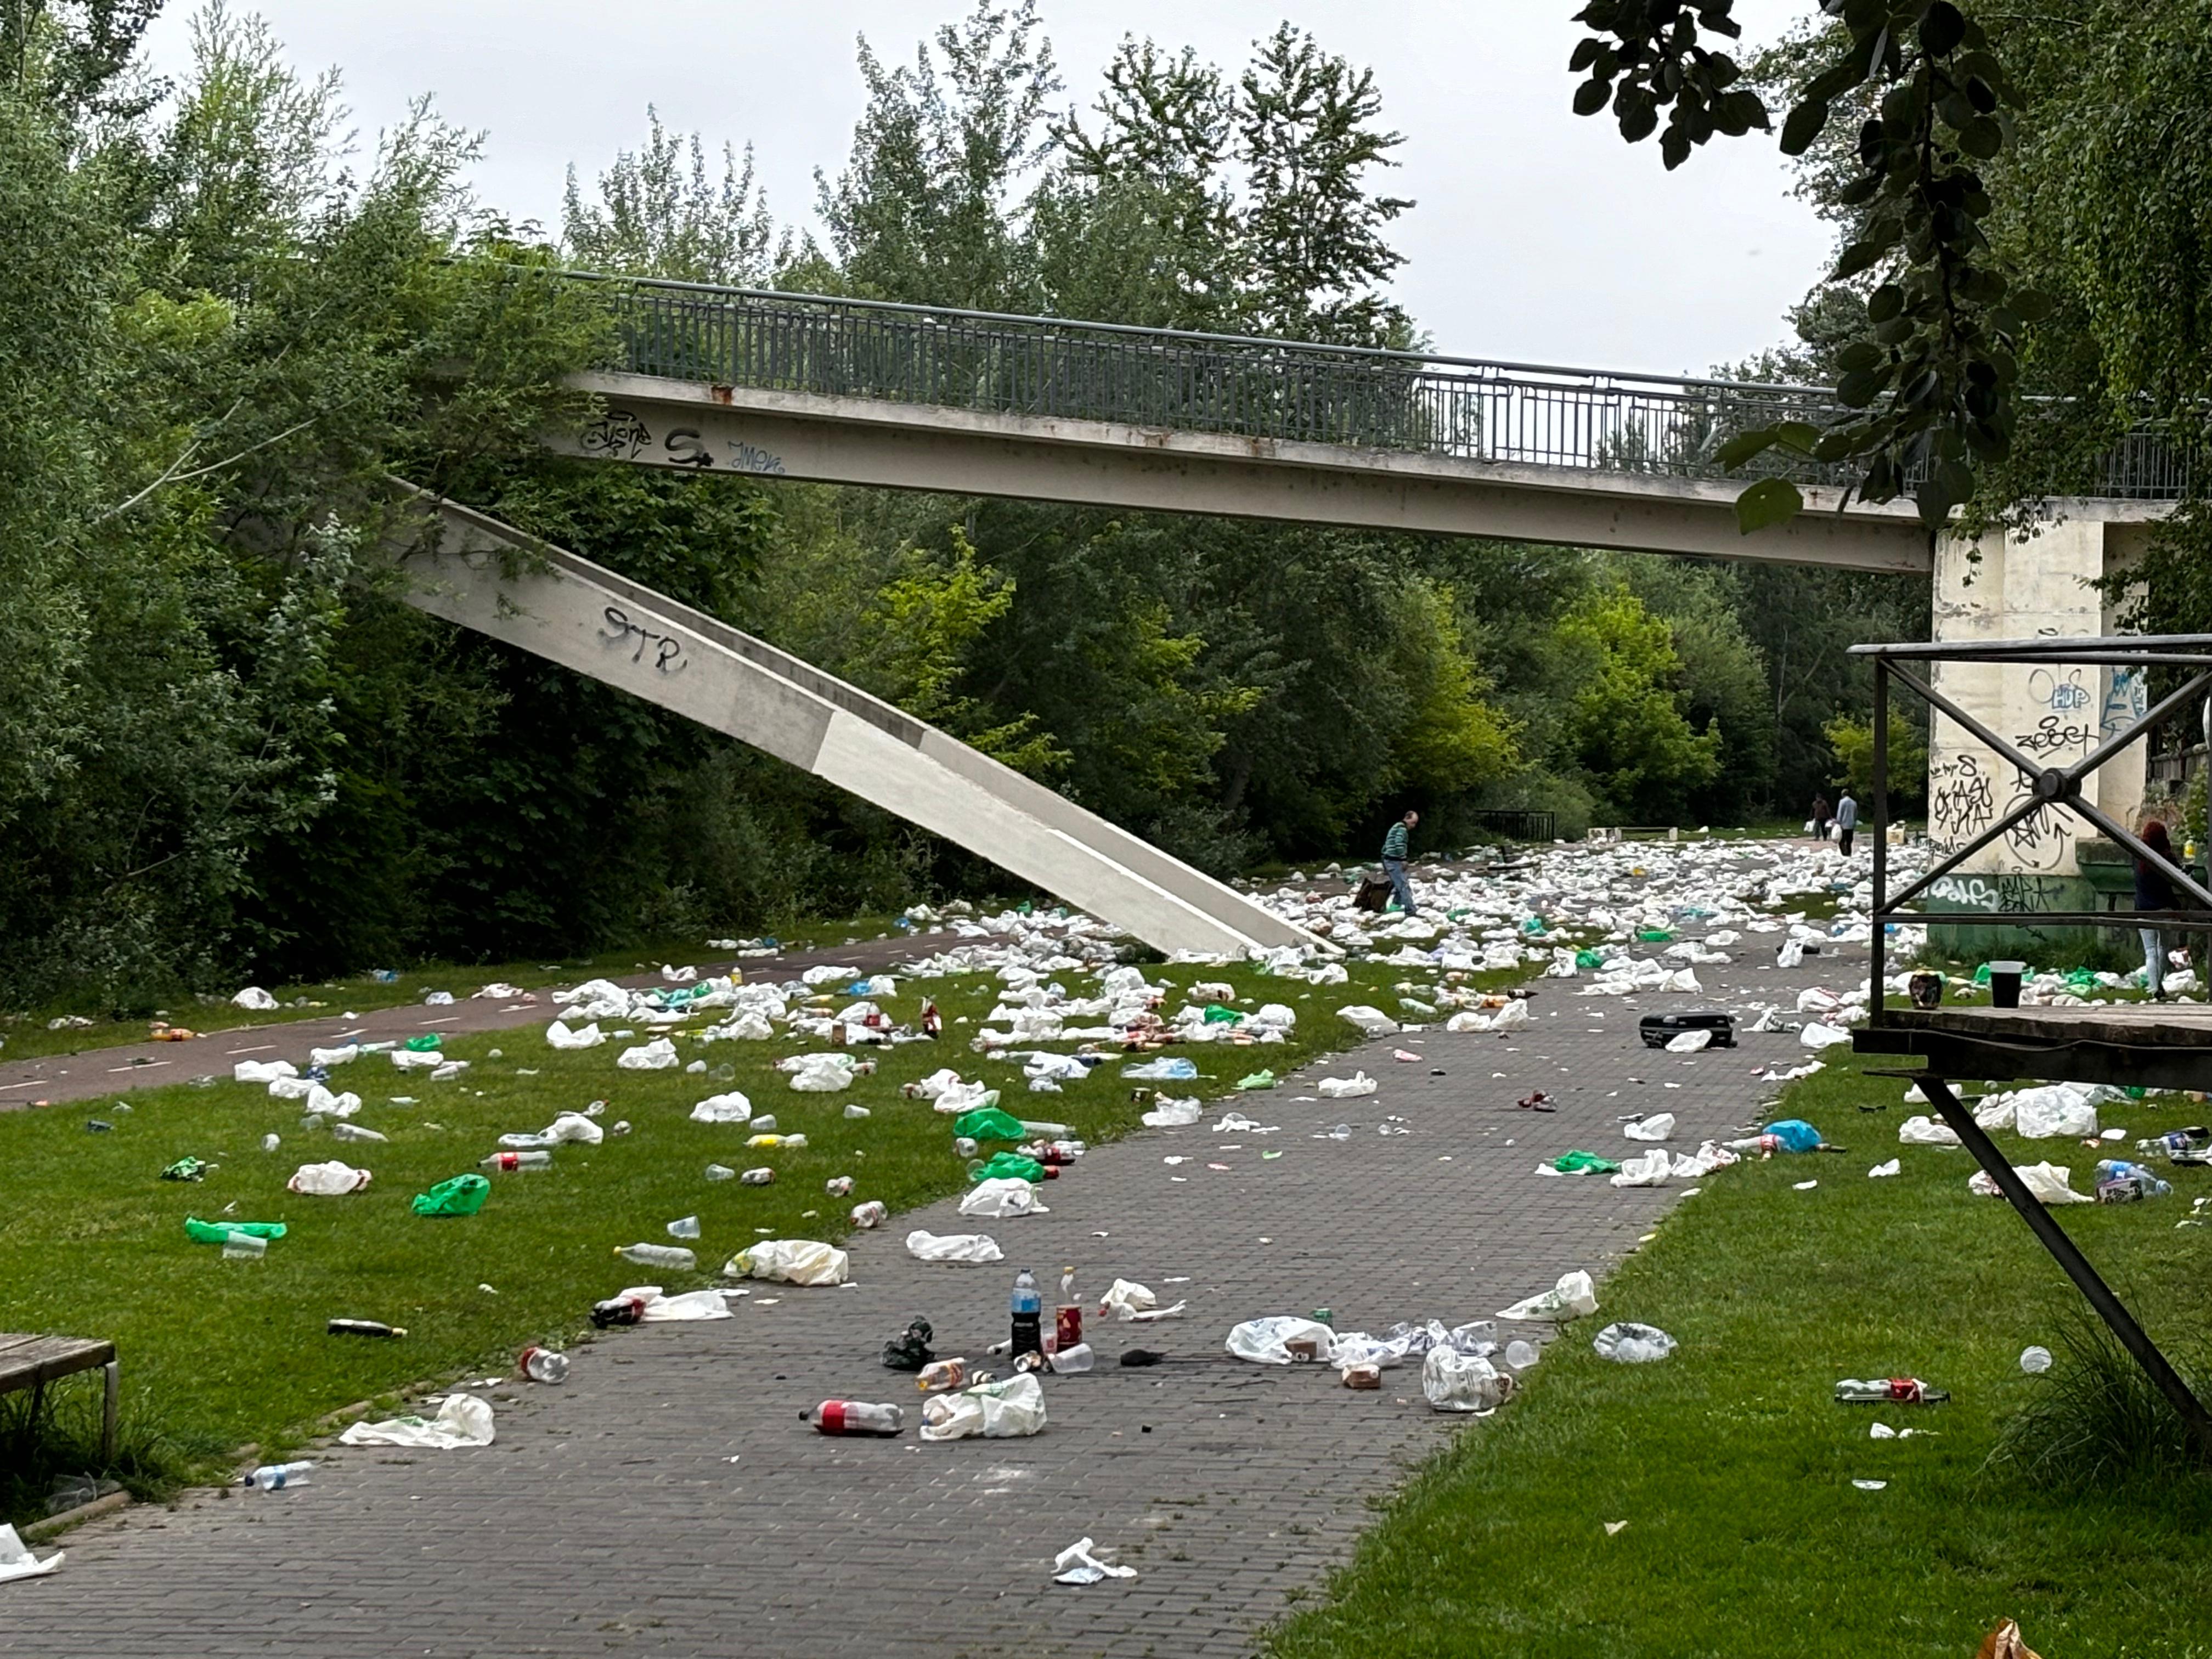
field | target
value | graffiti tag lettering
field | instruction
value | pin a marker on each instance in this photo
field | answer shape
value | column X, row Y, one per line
column 616, row 436
column 668, row 650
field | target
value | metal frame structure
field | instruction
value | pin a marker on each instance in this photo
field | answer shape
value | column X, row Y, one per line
column 1959, row 1053
column 1467, row 408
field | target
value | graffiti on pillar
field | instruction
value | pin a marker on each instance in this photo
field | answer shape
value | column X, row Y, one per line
column 2001, row 893
column 616, row 435
column 667, row 649
column 2053, row 733
column 2044, row 840
column 2126, row 702
column 745, row 458
column 1961, row 802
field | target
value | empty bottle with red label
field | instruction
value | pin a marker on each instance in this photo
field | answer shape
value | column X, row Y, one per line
column 517, row 1161
column 940, row 1375
column 619, row 1310
column 544, row 1365
column 671, row 1256
column 856, row 1417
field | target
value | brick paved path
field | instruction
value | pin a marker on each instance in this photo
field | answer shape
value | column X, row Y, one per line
column 668, row 1501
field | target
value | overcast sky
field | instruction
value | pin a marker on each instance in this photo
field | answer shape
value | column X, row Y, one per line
column 1538, row 237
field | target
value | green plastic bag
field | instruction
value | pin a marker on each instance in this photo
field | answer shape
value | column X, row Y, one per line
column 186, row 1169
column 1257, row 1080
column 427, row 1042
column 218, row 1232
column 1656, row 936
column 1582, row 1163
column 1002, row 1166
column 1981, row 976
column 988, row 1123
column 1534, row 925
column 463, row 1195
column 1218, row 1015
column 1589, row 959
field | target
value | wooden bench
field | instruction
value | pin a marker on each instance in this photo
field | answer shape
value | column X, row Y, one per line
column 32, row 1362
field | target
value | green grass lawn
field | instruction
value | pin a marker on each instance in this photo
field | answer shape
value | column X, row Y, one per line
column 1734, row 1469
column 29, row 1035
column 217, row 1353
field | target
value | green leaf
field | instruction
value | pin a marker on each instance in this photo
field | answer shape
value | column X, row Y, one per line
column 2033, row 307
column 1769, row 502
column 1859, row 354
column 1934, row 500
column 1800, row 435
column 1858, row 257
column 1835, row 445
column 1885, row 302
column 1674, row 148
column 1836, row 79
column 1942, row 29
column 1745, row 445
column 1592, row 96
column 1586, row 51
column 1859, row 388
column 1981, row 137
column 1802, row 126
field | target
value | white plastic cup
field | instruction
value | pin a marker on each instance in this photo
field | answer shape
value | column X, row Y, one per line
column 687, row 1228
column 244, row 1246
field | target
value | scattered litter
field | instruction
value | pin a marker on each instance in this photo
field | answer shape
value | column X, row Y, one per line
column 1348, row 1088
column 1573, row 1297
column 1455, row 1381
column 1076, row 1565
column 1894, row 1166
column 463, row 1194
column 2047, row 1183
column 1658, row 1127
column 2035, row 1360
column 1926, row 1132
column 462, row 1420
column 996, row 1411
column 1631, row 1344
column 1870, row 1486
column 658, row 1055
column 16, row 1560
column 792, row 1261
column 962, row 1247
column 332, row 1180
column 1001, row 1199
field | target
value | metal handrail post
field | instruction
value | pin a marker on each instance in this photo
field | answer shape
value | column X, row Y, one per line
column 1878, row 946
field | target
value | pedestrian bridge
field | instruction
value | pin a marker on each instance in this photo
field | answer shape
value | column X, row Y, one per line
column 858, row 391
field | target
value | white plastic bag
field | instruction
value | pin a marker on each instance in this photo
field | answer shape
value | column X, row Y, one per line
column 1172, row 1114
column 1818, row 1036
column 997, row 1411
column 2047, row 1183
column 1658, row 1127
column 824, row 1074
column 1631, row 1343
column 1572, row 1297
column 1457, row 1382
column 16, row 1560
column 1076, row 1565
column 321, row 1103
column 1689, row 1042
column 1926, row 1132
column 332, row 1180
column 1125, row 1299
column 1347, row 1088
column 263, row 1071
column 691, row 1306
column 558, row 1035
column 462, row 1420
column 1651, row 1169
column 963, row 1248
column 255, row 998
column 1002, row 1198
column 2054, row 1112
column 569, row 1128
column 1373, row 1021
column 1267, row 1341
column 732, row 1107
column 658, row 1055
column 793, row 1261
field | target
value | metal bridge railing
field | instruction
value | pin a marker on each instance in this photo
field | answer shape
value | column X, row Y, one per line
column 1289, row 390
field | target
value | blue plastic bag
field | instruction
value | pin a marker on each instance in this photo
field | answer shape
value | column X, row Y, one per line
column 1795, row 1134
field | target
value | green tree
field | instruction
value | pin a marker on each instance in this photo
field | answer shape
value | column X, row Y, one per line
column 1625, row 729
column 659, row 213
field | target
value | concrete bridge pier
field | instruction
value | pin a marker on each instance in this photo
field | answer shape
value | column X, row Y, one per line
column 2003, row 587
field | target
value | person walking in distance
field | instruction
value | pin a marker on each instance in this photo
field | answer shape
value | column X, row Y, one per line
column 1393, row 860
column 2155, row 891
column 1820, row 819
column 1847, row 820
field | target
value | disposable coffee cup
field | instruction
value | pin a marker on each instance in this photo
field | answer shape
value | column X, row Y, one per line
column 2004, row 983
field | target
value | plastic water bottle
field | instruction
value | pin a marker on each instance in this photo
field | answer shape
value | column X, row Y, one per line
column 855, row 1417
column 671, row 1256
column 364, row 1328
column 1028, row 1308
column 544, row 1365
column 686, row 1228
column 940, row 1375
column 720, row 1172
column 838, row 1186
column 870, row 1214
column 275, row 1477
column 517, row 1161
column 2175, row 1143
column 856, row 1111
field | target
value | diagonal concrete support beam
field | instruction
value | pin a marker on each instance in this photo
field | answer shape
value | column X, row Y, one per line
column 474, row 571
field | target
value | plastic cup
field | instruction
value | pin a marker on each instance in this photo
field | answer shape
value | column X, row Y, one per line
column 2004, row 983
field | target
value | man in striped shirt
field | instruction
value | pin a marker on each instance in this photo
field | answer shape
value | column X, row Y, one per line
column 1393, row 861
